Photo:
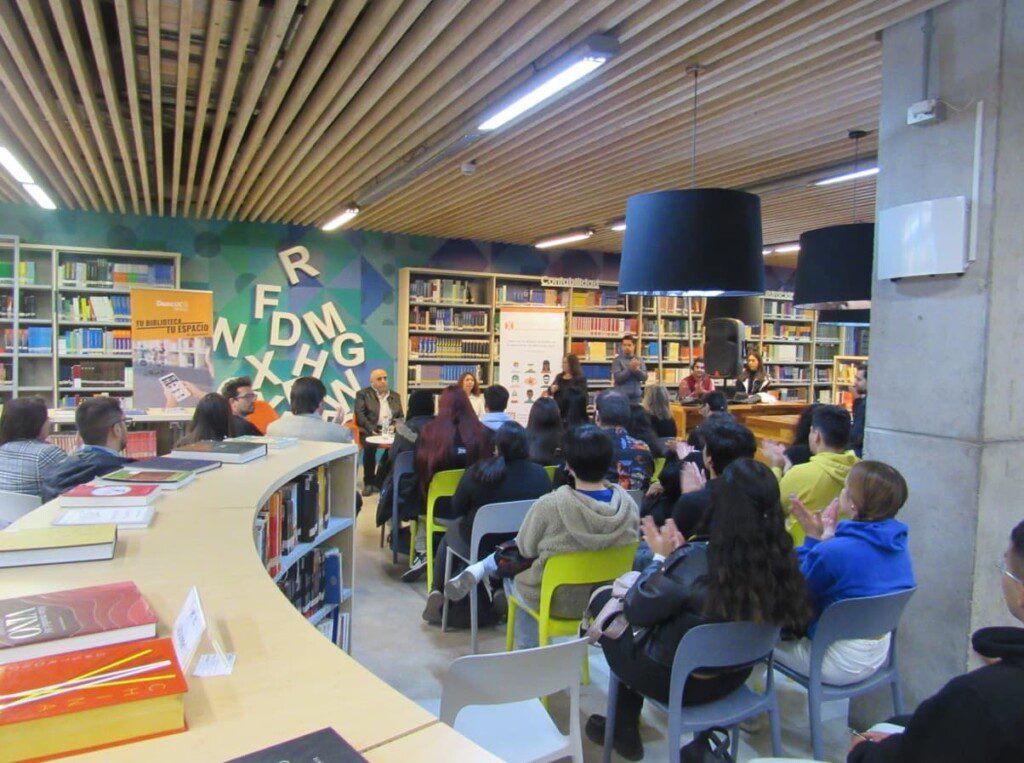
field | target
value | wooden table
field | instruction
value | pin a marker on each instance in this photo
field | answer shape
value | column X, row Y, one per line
column 288, row 680
column 688, row 416
column 781, row 428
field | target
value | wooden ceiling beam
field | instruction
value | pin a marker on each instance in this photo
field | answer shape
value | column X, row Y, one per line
column 207, row 72
column 256, row 82
column 313, row 18
column 181, row 98
column 104, row 68
column 321, row 84
column 240, row 35
column 156, row 98
column 126, row 36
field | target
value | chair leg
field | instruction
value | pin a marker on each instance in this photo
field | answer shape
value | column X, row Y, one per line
column 474, row 625
column 775, row 726
column 609, row 718
column 510, row 625
column 382, row 534
column 814, row 716
column 430, row 556
column 734, row 741
column 414, row 528
column 447, row 577
column 585, row 671
column 897, row 695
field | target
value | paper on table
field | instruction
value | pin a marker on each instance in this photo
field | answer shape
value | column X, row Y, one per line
column 124, row 517
column 189, row 626
column 213, row 664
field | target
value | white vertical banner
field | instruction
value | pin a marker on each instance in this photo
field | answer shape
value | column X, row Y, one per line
column 532, row 343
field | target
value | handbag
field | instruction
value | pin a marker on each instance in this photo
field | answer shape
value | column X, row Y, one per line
column 510, row 562
column 709, row 746
column 611, row 621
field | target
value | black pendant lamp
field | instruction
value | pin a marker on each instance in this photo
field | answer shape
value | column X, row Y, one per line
column 701, row 242
column 834, row 267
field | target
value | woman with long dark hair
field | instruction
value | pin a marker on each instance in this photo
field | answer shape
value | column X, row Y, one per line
column 573, row 408
column 211, row 420
column 454, row 439
column 24, row 451
column 744, row 571
column 753, row 378
column 544, row 432
column 508, row 475
column 640, row 428
column 469, row 384
column 419, row 412
column 571, row 377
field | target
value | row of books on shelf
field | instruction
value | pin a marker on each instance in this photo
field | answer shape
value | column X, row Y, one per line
column 139, row 444
column 594, row 350
column 791, row 394
column 100, row 341
column 447, row 319
column 297, row 513
column 681, row 326
column 529, row 295
column 92, row 373
column 788, row 331
column 672, row 351
column 608, row 298
column 594, row 324
column 783, row 353
column 792, row 374
column 27, row 272
column 447, row 347
column 104, row 308
column 784, row 308
column 674, row 305
column 33, row 339
column 441, row 290
column 825, row 352
column 443, row 373
column 596, row 372
column 73, row 400
column 314, row 581
column 102, row 273
column 28, row 305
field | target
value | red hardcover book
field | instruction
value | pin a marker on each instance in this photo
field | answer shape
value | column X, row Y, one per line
column 92, row 496
column 274, row 534
column 90, row 699
column 80, row 618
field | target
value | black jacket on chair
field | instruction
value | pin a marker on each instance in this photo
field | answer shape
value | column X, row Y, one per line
column 368, row 409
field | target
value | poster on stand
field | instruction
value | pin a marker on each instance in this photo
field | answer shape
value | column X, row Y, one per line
column 531, row 346
column 172, row 342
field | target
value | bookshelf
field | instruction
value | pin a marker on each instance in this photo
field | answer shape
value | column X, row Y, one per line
column 448, row 324
column 73, row 309
column 844, row 369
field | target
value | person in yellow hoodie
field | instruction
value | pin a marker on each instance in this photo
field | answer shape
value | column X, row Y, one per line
column 818, row 482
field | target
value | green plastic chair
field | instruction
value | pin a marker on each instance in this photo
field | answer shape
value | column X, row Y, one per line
column 659, row 464
column 551, row 472
column 576, row 568
column 442, row 485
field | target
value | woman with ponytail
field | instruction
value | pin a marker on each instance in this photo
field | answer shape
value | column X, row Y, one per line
column 508, row 475
column 744, row 570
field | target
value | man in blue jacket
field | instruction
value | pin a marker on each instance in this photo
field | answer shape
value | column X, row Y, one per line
column 104, row 431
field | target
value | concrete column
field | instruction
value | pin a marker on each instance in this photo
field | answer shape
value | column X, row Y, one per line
column 947, row 352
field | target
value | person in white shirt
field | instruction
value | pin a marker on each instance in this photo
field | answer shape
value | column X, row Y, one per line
column 305, row 420
column 469, row 384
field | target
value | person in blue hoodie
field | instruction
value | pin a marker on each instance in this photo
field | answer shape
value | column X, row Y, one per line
column 104, row 431
column 863, row 556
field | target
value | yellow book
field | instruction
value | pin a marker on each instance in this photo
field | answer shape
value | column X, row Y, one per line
column 57, row 545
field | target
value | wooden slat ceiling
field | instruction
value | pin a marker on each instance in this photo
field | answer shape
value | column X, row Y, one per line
column 287, row 110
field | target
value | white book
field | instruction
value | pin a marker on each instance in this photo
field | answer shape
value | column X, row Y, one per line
column 125, row 518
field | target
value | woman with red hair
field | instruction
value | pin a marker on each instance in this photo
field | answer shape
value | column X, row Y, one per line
column 455, row 439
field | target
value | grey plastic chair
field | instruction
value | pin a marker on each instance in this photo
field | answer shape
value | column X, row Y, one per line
column 717, row 645
column 520, row 729
column 637, row 496
column 865, row 617
column 492, row 519
column 404, row 464
column 13, row 506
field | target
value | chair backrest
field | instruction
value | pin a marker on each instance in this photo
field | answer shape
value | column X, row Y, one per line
column 442, row 484
column 637, row 496
column 263, row 414
column 720, row 645
column 497, row 679
column 495, row 518
column 584, row 568
column 863, row 617
column 357, row 438
column 551, row 471
column 16, row 505
column 404, row 464
column 659, row 464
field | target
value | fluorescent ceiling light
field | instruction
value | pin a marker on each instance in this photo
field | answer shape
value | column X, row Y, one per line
column 12, row 165
column 568, row 238
column 347, row 216
column 785, row 248
column 39, row 195
column 847, row 176
column 619, row 225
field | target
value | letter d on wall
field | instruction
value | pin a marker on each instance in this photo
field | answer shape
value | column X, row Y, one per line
column 276, row 339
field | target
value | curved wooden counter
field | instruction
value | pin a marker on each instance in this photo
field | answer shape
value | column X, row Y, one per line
column 288, row 679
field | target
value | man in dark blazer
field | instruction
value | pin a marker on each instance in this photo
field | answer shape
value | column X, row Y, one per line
column 376, row 408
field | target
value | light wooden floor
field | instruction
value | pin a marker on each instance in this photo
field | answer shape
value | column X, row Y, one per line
column 390, row 638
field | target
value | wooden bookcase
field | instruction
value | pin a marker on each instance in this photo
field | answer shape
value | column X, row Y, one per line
column 41, row 286
column 844, row 369
column 437, row 322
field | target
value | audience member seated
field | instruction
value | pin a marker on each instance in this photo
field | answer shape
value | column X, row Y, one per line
column 495, row 403
column 305, row 419
column 743, row 571
column 242, row 399
column 663, row 493
column 544, row 432
column 24, row 452
column 818, row 482
column 864, row 556
column 211, row 420
column 656, row 403
column 377, row 408
column 455, row 439
column 753, row 378
column 571, row 378
column 714, row 404
column 640, row 428
column 799, row 451
column 469, row 384
column 696, row 384
column 725, row 441
column 508, row 475
column 632, row 461
column 573, row 407
column 407, row 431
column 978, row 716
column 594, row 515
column 103, row 428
